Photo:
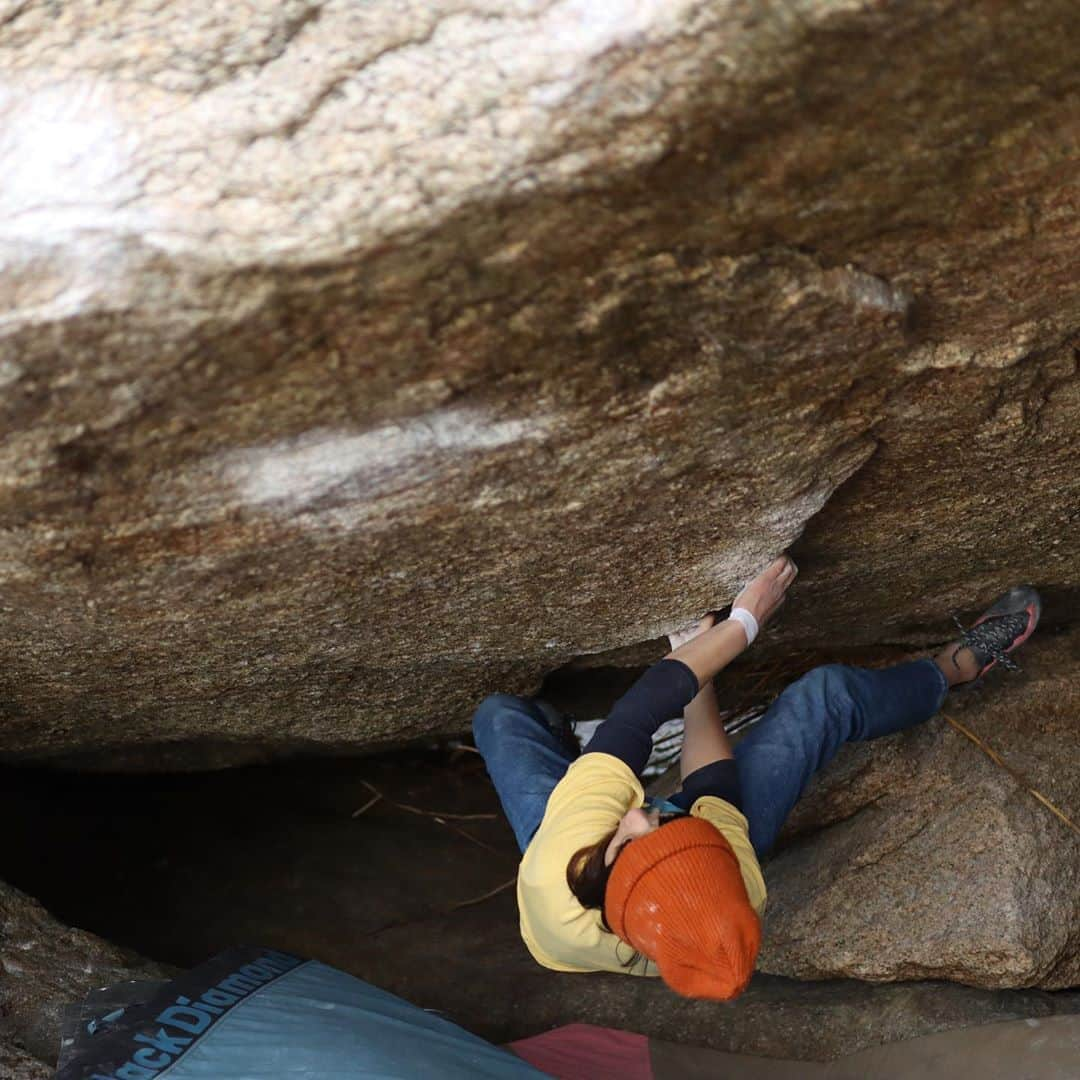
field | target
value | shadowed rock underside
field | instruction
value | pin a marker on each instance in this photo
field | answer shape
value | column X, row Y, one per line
column 360, row 361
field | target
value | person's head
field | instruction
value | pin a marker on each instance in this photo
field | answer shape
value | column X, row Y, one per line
column 590, row 867
column 673, row 891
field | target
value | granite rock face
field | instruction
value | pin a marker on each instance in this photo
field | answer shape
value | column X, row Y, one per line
column 358, row 361
column 919, row 857
column 16, row 1064
column 44, row 966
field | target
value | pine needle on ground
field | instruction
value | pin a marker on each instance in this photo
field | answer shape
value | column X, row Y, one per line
column 439, row 815
column 995, row 757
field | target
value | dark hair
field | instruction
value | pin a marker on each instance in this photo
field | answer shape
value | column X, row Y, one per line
column 587, row 874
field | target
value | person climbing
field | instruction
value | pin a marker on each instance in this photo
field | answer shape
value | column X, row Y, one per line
column 611, row 881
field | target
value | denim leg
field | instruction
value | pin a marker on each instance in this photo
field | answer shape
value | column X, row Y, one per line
column 812, row 718
column 524, row 758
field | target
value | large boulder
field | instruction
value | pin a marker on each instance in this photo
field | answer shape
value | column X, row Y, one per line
column 360, row 359
column 919, row 856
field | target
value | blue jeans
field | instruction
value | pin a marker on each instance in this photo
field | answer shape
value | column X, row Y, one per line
column 799, row 734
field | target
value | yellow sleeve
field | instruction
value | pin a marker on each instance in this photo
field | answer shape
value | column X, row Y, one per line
column 735, row 830
column 587, row 803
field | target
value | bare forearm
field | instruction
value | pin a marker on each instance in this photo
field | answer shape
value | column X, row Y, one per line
column 710, row 652
column 706, row 650
column 704, row 738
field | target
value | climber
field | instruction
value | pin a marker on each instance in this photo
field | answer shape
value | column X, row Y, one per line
column 611, row 881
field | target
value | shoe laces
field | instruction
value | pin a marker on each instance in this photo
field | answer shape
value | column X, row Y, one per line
column 992, row 637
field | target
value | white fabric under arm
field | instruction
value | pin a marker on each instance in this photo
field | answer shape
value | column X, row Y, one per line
column 746, row 621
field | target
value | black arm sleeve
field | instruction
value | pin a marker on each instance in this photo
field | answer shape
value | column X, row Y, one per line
column 719, row 778
column 662, row 693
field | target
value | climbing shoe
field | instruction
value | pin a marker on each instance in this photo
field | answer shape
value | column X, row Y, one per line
column 562, row 726
column 1001, row 628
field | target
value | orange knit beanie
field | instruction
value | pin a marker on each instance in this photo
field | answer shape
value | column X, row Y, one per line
column 676, row 895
